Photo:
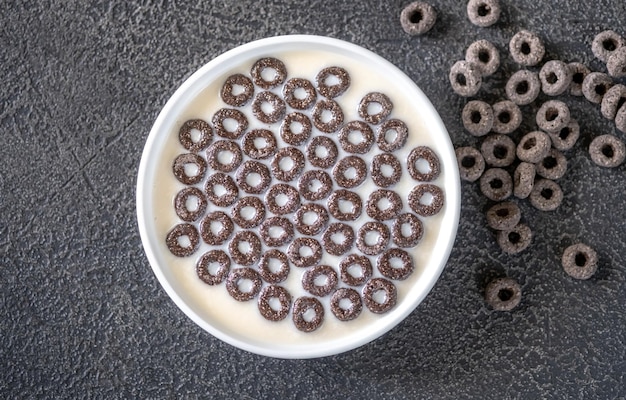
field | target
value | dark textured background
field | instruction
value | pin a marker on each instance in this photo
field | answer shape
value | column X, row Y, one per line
column 82, row 313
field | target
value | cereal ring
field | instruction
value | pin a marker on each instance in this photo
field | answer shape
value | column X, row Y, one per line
column 237, row 80
column 338, row 238
column 552, row 116
column 471, row 163
column 296, row 129
column 177, row 246
column 378, row 101
column 253, row 177
column 276, row 104
column 259, row 144
column 526, row 48
column 305, row 224
column 503, row 294
column 606, row 43
column 553, row 165
column 342, row 312
column 223, row 184
column 276, row 231
column 617, row 63
column 381, row 210
column 269, row 270
column 186, row 197
column 288, row 196
column 426, row 206
column 465, row 78
column 355, row 270
column 507, row 117
column 270, row 63
column 237, row 278
column 595, row 85
column 546, row 195
column 224, row 150
column 504, row 216
column 322, row 152
column 524, row 179
column 213, row 267
column 292, row 93
column 187, row 140
column 579, row 73
column 555, row 77
column 498, row 150
column 392, row 135
column 483, row 13
column 620, row 119
column 216, row 227
column 484, row 55
column 351, row 165
column 516, row 240
column 348, row 134
column 364, row 236
column 304, row 252
column 418, row 18
column 224, row 115
column 246, row 256
column 274, row 292
column 287, row 164
column 315, row 185
column 523, row 87
column 477, row 117
column 327, row 116
column 386, row 170
column 496, row 184
column 340, row 210
column 566, row 138
column 310, row 280
column 387, row 267
column 326, row 85
column 242, row 217
column 306, row 305
column 607, row 151
column 189, row 168
column 580, row 261
column 415, row 230
column 533, row 147
column 612, row 101
column 371, row 296
column 420, row 172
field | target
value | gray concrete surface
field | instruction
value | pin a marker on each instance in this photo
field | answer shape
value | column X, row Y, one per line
column 83, row 315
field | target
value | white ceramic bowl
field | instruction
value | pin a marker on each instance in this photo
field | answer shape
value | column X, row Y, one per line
column 239, row 323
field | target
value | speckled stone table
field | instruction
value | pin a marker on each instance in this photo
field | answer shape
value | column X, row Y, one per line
column 83, row 315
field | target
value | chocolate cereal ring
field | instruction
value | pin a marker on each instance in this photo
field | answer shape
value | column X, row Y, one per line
column 213, row 267
column 390, row 269
column 355, row 270
column 228, row 90
column 221, row 121
column 338, row 238
column 504, row 216
column 546, row 195
column 386, row 170
column 221, row 190
column 284, row 300
column 224, row 156
column 348, row 136
column 526, row 48
column 216, row 227
column 186, row 197
column 363, row 238
column 524, row 179
column 523, row 87
column 345, row 205
column 498, row 150
column 465, row 78
column 296, row 129
column 315, row 185
column 613, row 100
column 271, row 63
column 383, row 205
column 187, row 140
column 555, row 77
column 375, row 100
column 409, row 237
column 503, row 294
column 350, row 165
column 566, row 138
column 483, row 13
column 326, row 85
column 515, row 240
column 259, row 144
column 373, row 299
column 392, row 135
column 189, row 168
column 276, row 231
column 418, row 18
column 471, row 163
column 579, row 73
column 240, row 215
column 606, row 43
column 420, row 172
column 274, row 271
column 620, row 119
column 306, row 305
column 176, row 243
column 496, row 184
column 240, row 275
column 421, row 204
column 477, row 117
column 311, row 219
column 304, row 252
column 338, row 308
column 245, row 256
column 287, row 164
column 282, row 199
column 263, row 113
column 607, row 151
column 322, row 152
column 327, row 116
column 580, row 261
column 595, row 85
column 253, row 177
column 485, row 55
column 552, row 116
column 533, row 147
column 292, row 93
column 507, row 117
column 311, row 278
column 553, row 165
column 617, row 63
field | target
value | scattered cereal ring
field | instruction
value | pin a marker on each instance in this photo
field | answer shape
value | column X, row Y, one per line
column 484, row 55
column 555, row 77
column 304, row 252
column 617, row 63
column 351, row 165
column 465, row 78
column 477, row 117
column 363, row 242
column 221, row 150
column 322, row 152
column 245, row 256
column 386, row 170
column 496, row 184
column 259, row 144
column 418, row 18
column 332, row 82
column 420, row 172
column 612, row 101
column 306, row 225
column 355, row 270
column 296, row 129
column 483, row 13
column 553, row 165
column 284, row 300
column 503, row 294
column 415, row 230
column 546, row 195
column 507, row 117
column 182, row 204
column 523, row 87
column 189, row 168
column 423, row 205
column 579, row 73
column 504, row 216
column 337, row 205
column 526, row 48
column 306, row 305
column 392, row 135
column 327, row 116
column 230, row 114
column 287, row 164
column 595, row 85
column 289, row 196
column 390, row 270
column 268, row 269
column 534, row 146
column 606, row 43
column 620, row 119
column 471, row 163
column 216, row 227
column 311, row 277
column 276, row 231
column 580, row 261
column 524, row 179
column 177, row 246
column 235, row 280
column 292, row 90
column 607, row 151
column 253, row 177
column 552, row 116
column 566, row 138
column 219, row 181
column 342, row 312
column 269, row 63
column 348, row 135
column 315, row 185
column 228, row 89
column 498, row 150
column 338, row 238
column 187, row 140
column 383, row 204
column 209, row 274
column 375, row 107
column 372, row 298
column 263, row 113
column 516, row 240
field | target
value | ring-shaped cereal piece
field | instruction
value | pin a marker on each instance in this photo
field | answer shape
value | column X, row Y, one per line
column 228, row 147
column 172, row 240
column 613, row 100
column 252, row 254
column 219, row 219
column 374, row 208
column 496, row 184
column 477, row 117
column 499, row 150
column 180, row 168
column 379, row 175
column 296, row 129
column 617, row 63
column 504, row 216
column 284, row 172
column 347, row 133
column 465, row 78
column 289, row 192
column 181, row 202
column 523, row 87
column 224, row 114
column 276, row 103
column 605, row 44
column 471, row 163
column 254, row 170
column 370, row 295
column 272, row 63
column 503, row 294
column 382, row 240
column 243, row 274
column 291, row 92
column 370, row 100
column 337, row 207
column 533, row 147
column 430, row 157
column 579, row 73
column 301, row 306
column 268, row 271
column 392, row 135
column 429, row 207
column 580, row 261
column 253, row 147
column 418, row 18
column 352, row 311
column 311, row 276
column 295, row 252
column 388, row 270
column 341, row 231
column 227, row 91
column 319, row 223
column 322, row 152
column 284, row 299
column 515, row 240
column 416, row 230
column 268, row 235
column 595, row 86
column 332, row 90
column 243, row 220
column 526, row 48
column 355, row 270
column 553, row 165
column 607, row 151
column 485, row 55
column 566, row 138
column 204, row 270
column 347, row 164
column 483, row 13
column 507, row 117
column 315, row 185
column 231, row 191
column 186, row 139
column 546, row 195
column 320, row 120
column 524, row 179
column 552, row 116
column 556, row 77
